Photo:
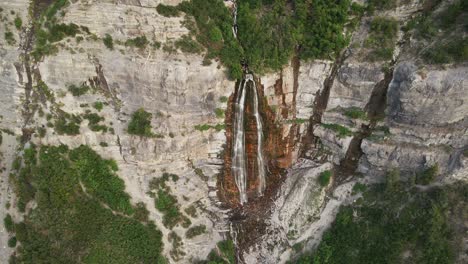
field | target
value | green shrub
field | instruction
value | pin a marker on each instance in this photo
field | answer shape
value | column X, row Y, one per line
column 98, row 106
column 219, row 113
column 78, row 90
column 188, row 45
column 428, row 175
column 324, row 178
column 355, row 113
column 94, row 120
column 8, row 223
column 18, row 23
column 12, row 242
column 455, row 50
column 140, row 124
column 108, row 41
column 339, row 129
column 103, row 144
column 9, row 38
column 373, row 5
column 55, row 7
column 195, row 231
column 223, row 99
column 139, row 42
column 68, row 124
column 167, row 11
column 382, row 38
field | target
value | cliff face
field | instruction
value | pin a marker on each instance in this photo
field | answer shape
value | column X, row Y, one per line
column 416, row 116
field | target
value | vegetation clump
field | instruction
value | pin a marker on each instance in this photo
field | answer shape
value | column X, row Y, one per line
column 18, row 23
column 140, row 124
column 108, row 41
column 394, row 224
column 195, row 231
column 9, row 38
column 428, row 175
column 339, row 129
column 68, row 124
column 167, row 10
column 324, row 178
column 78, row 90
column 139, row 42
column 382, row 38
column 355, row 113
column 82, row 211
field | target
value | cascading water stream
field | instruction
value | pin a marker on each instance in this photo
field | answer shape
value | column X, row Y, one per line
column 260, row 160
column 238, row 168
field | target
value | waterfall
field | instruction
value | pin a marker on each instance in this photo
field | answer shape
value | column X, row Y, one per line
column 260, row 160
column 238, row 168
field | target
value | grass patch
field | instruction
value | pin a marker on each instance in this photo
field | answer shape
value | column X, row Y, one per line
column 8, row 223
column 140, row 124
column 454, row 50
column 98, row 106
column 94, row 120
column 341, row 131
column 71, row 222
column 9, row 38
column 223, row 99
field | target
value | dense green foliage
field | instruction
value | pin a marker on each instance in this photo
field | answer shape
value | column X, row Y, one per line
column 373, row 5
column 94, row 122
column 205, row 127
column 140, row 124
column 392, row 224
column 454, row 50
column 167, row 11
column 324, row 178
column 188, row 45
column 73, row 222
column 270, row 32
column 8, row 223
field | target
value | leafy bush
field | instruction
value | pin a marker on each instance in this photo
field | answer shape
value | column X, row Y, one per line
column 68, row 124
column 223, row 99
column 355, row 113
column 455, row 50
column 186, row 44
column 12, row 242
column 78, row 90
column 140, row 124
column 382, row 38
column 139, row 42
column 8, row 223
column 18, row 23
column 9, row 38
column 373, row 5
column 339, row 129
column 195, row 231
column 324, row 178
column 108, row 41
column 219, row 113
column 94, row 120
column 205, row 127
column 98, row 106
column 428, row 175
column 167, row 11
